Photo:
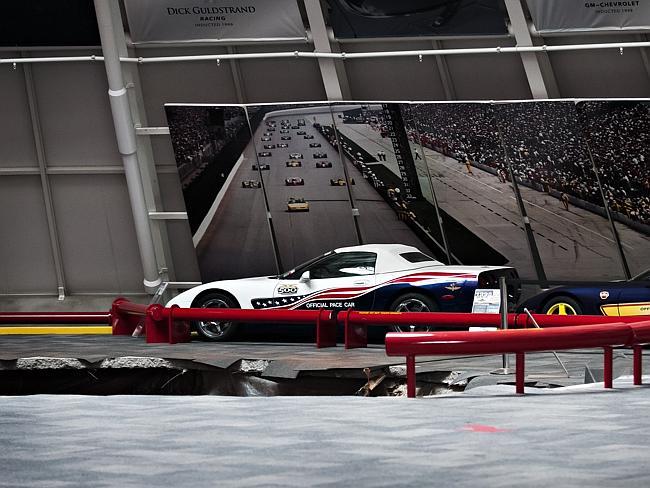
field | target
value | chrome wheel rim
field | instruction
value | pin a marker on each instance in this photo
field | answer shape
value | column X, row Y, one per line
column 212, row 328
column 412, row 305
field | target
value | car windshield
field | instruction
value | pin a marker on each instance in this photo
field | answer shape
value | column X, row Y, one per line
column 296, row 272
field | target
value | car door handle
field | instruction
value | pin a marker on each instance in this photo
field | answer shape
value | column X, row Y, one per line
column 360, row 282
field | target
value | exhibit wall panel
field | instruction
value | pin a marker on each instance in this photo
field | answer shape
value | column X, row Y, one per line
column 599, row 73
column 398, row 78
column 286, row 79
column 16, row 139
column 180, row 237
column 74, row 112
column 183, row 82
column 97, row 235
column 487, row 76
column 26, row 262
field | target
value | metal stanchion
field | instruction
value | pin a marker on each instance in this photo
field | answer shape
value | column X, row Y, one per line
column 532, row 319
column 503, row 310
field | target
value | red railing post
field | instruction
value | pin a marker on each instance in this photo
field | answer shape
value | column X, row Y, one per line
column 122, row 322
column 326, row 326
column 355, row 335
column 608, row 358
column 410, row 376
column 178, row 330
column 638, row 364
column 520, row 373
column 156, row 326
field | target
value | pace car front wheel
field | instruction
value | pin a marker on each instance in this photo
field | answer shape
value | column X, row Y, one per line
column 562, row 306
column 214, row 330
column 413, row 302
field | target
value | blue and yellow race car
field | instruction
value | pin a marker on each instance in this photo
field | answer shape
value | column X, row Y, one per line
column 616, row 299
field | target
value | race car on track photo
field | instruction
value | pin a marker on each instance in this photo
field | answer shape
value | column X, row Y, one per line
column 323, row 164
column 263, row 167
column 284, row 131
column 371, row 277
column 615, row 298
column 315, row 144
column 295, row 156
column 251, row 184
column 294, row 163
column 266, row 139
column 265, row 154
column 283, row 144
column 294, row 181
column 297, row 205
column 269, row 146
column 319, row 155
column 337, row 182
column 308, row 136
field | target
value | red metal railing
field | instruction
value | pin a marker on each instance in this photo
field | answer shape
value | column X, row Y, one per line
column 55, row 318
column 519, row 342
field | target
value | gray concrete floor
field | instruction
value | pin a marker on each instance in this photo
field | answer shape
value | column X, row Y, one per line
column 576, row 436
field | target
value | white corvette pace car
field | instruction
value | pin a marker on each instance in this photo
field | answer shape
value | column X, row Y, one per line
column 391, row 277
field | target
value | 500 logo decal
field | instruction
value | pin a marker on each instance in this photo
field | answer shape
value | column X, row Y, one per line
column 287, row 289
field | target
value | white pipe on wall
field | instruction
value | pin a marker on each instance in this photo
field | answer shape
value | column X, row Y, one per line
column 342, row 56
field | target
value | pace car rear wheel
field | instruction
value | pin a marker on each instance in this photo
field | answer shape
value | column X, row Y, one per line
column 212, row 330
column 562, row 306
column 413, row 302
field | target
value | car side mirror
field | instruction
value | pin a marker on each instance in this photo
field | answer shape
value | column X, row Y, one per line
column 305, row 277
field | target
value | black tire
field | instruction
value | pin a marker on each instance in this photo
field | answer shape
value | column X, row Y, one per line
column 562, row 305
column 212, row 330
column 413, row 302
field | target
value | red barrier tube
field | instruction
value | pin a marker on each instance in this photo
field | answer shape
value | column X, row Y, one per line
column 55, row 318
column 507, row 341
column 243, row 315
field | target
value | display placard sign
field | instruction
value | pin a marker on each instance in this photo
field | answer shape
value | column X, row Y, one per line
column 581, row 15
column 486, row 301
column 402, row 150
column 209, row 20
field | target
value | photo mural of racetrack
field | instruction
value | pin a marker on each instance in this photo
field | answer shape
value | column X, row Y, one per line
column 272, row 185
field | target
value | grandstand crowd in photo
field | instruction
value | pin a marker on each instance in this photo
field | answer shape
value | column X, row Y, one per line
column 199, row 134
column 548, row 146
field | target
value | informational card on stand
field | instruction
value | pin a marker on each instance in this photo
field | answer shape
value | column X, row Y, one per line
column 486, row 301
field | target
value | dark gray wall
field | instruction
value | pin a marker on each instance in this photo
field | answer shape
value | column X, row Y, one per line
column 94, row 226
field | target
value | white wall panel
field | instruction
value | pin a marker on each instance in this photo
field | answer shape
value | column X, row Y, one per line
column 26, row 263
column 16, row 139
column 486, row 76
column 280, row 80
column 183, row 82
column 98, row 244
column 393, row 78
column 599, row 73
column 75, row 112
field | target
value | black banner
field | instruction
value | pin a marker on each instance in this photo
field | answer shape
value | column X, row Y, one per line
column 412, row 18
column 49, row 23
